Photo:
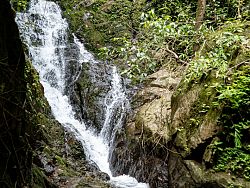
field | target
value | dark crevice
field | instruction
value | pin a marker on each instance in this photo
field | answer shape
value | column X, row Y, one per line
column 78, row 88
column 198, row 152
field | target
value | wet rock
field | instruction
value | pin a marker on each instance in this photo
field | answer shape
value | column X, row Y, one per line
column 90, row 90
column 48, row 169
column 140, row 150
column 61, row 159
column 168, row 139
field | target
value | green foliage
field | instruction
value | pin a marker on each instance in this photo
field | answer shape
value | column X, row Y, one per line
column 19, row 5
column 101, row 20
column 233, row 153
column 218, row 12
column 220, row 53
column 143, row 35
column 238, row 92
column 223, row 64
column 235, row 97
column 181, row 11
column 234, row 160
column 167, row 32
column 154, row 45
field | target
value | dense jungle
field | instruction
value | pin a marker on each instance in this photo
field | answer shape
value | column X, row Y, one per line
column 125, row 93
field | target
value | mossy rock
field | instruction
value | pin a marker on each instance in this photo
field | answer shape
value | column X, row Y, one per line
column 39, row 179
column 195, row 125
column 97, row 22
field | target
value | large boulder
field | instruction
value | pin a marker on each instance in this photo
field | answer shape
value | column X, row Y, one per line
column 140, row 150
column 168, row 140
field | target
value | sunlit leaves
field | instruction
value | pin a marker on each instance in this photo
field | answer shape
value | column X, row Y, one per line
column 217, row 58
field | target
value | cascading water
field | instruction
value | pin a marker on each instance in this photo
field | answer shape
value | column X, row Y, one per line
column 116, row 105
column 45, row 32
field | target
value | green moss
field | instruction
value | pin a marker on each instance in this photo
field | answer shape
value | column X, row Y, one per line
column 39, row 179
column 20, row 5
column 203, row 106
column 181, row 140
column 220, row 74
column 99, row 21
column 60, row 160
column 35, row 94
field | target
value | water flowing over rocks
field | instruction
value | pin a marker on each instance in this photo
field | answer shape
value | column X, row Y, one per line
column 168, row 137
column 62, row 159
column 35, row 150
column 60, row 64
column 90, row 91
column 85, row 83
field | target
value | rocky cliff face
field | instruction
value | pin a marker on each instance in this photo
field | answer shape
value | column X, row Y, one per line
column 158, row 146
column 15, row 152
column 169, row 139
column 141, row 150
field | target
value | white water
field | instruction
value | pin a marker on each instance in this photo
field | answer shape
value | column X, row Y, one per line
column 45, row 32
column 116, row 105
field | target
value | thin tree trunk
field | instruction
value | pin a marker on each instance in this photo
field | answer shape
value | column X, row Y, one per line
column 240, row 3
column 200, row 12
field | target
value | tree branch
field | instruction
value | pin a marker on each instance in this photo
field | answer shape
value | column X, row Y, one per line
column 176, row 56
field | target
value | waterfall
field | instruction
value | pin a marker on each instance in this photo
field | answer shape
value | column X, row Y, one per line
column 45, row 33
column 116, row 105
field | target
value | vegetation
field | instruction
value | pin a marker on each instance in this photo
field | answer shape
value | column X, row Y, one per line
column 217, row 48
column 209, row 37
column 233, row 150
column 141, row 36
column 153, row 46
column 226, row 57
column 19, row 5
column 98, row 21
column 168, row 32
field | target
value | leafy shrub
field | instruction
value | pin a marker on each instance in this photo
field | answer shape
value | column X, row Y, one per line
column 224, row 57
column 234, row 160
column 216, row 55
column 233, row 153
column 159, row 41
